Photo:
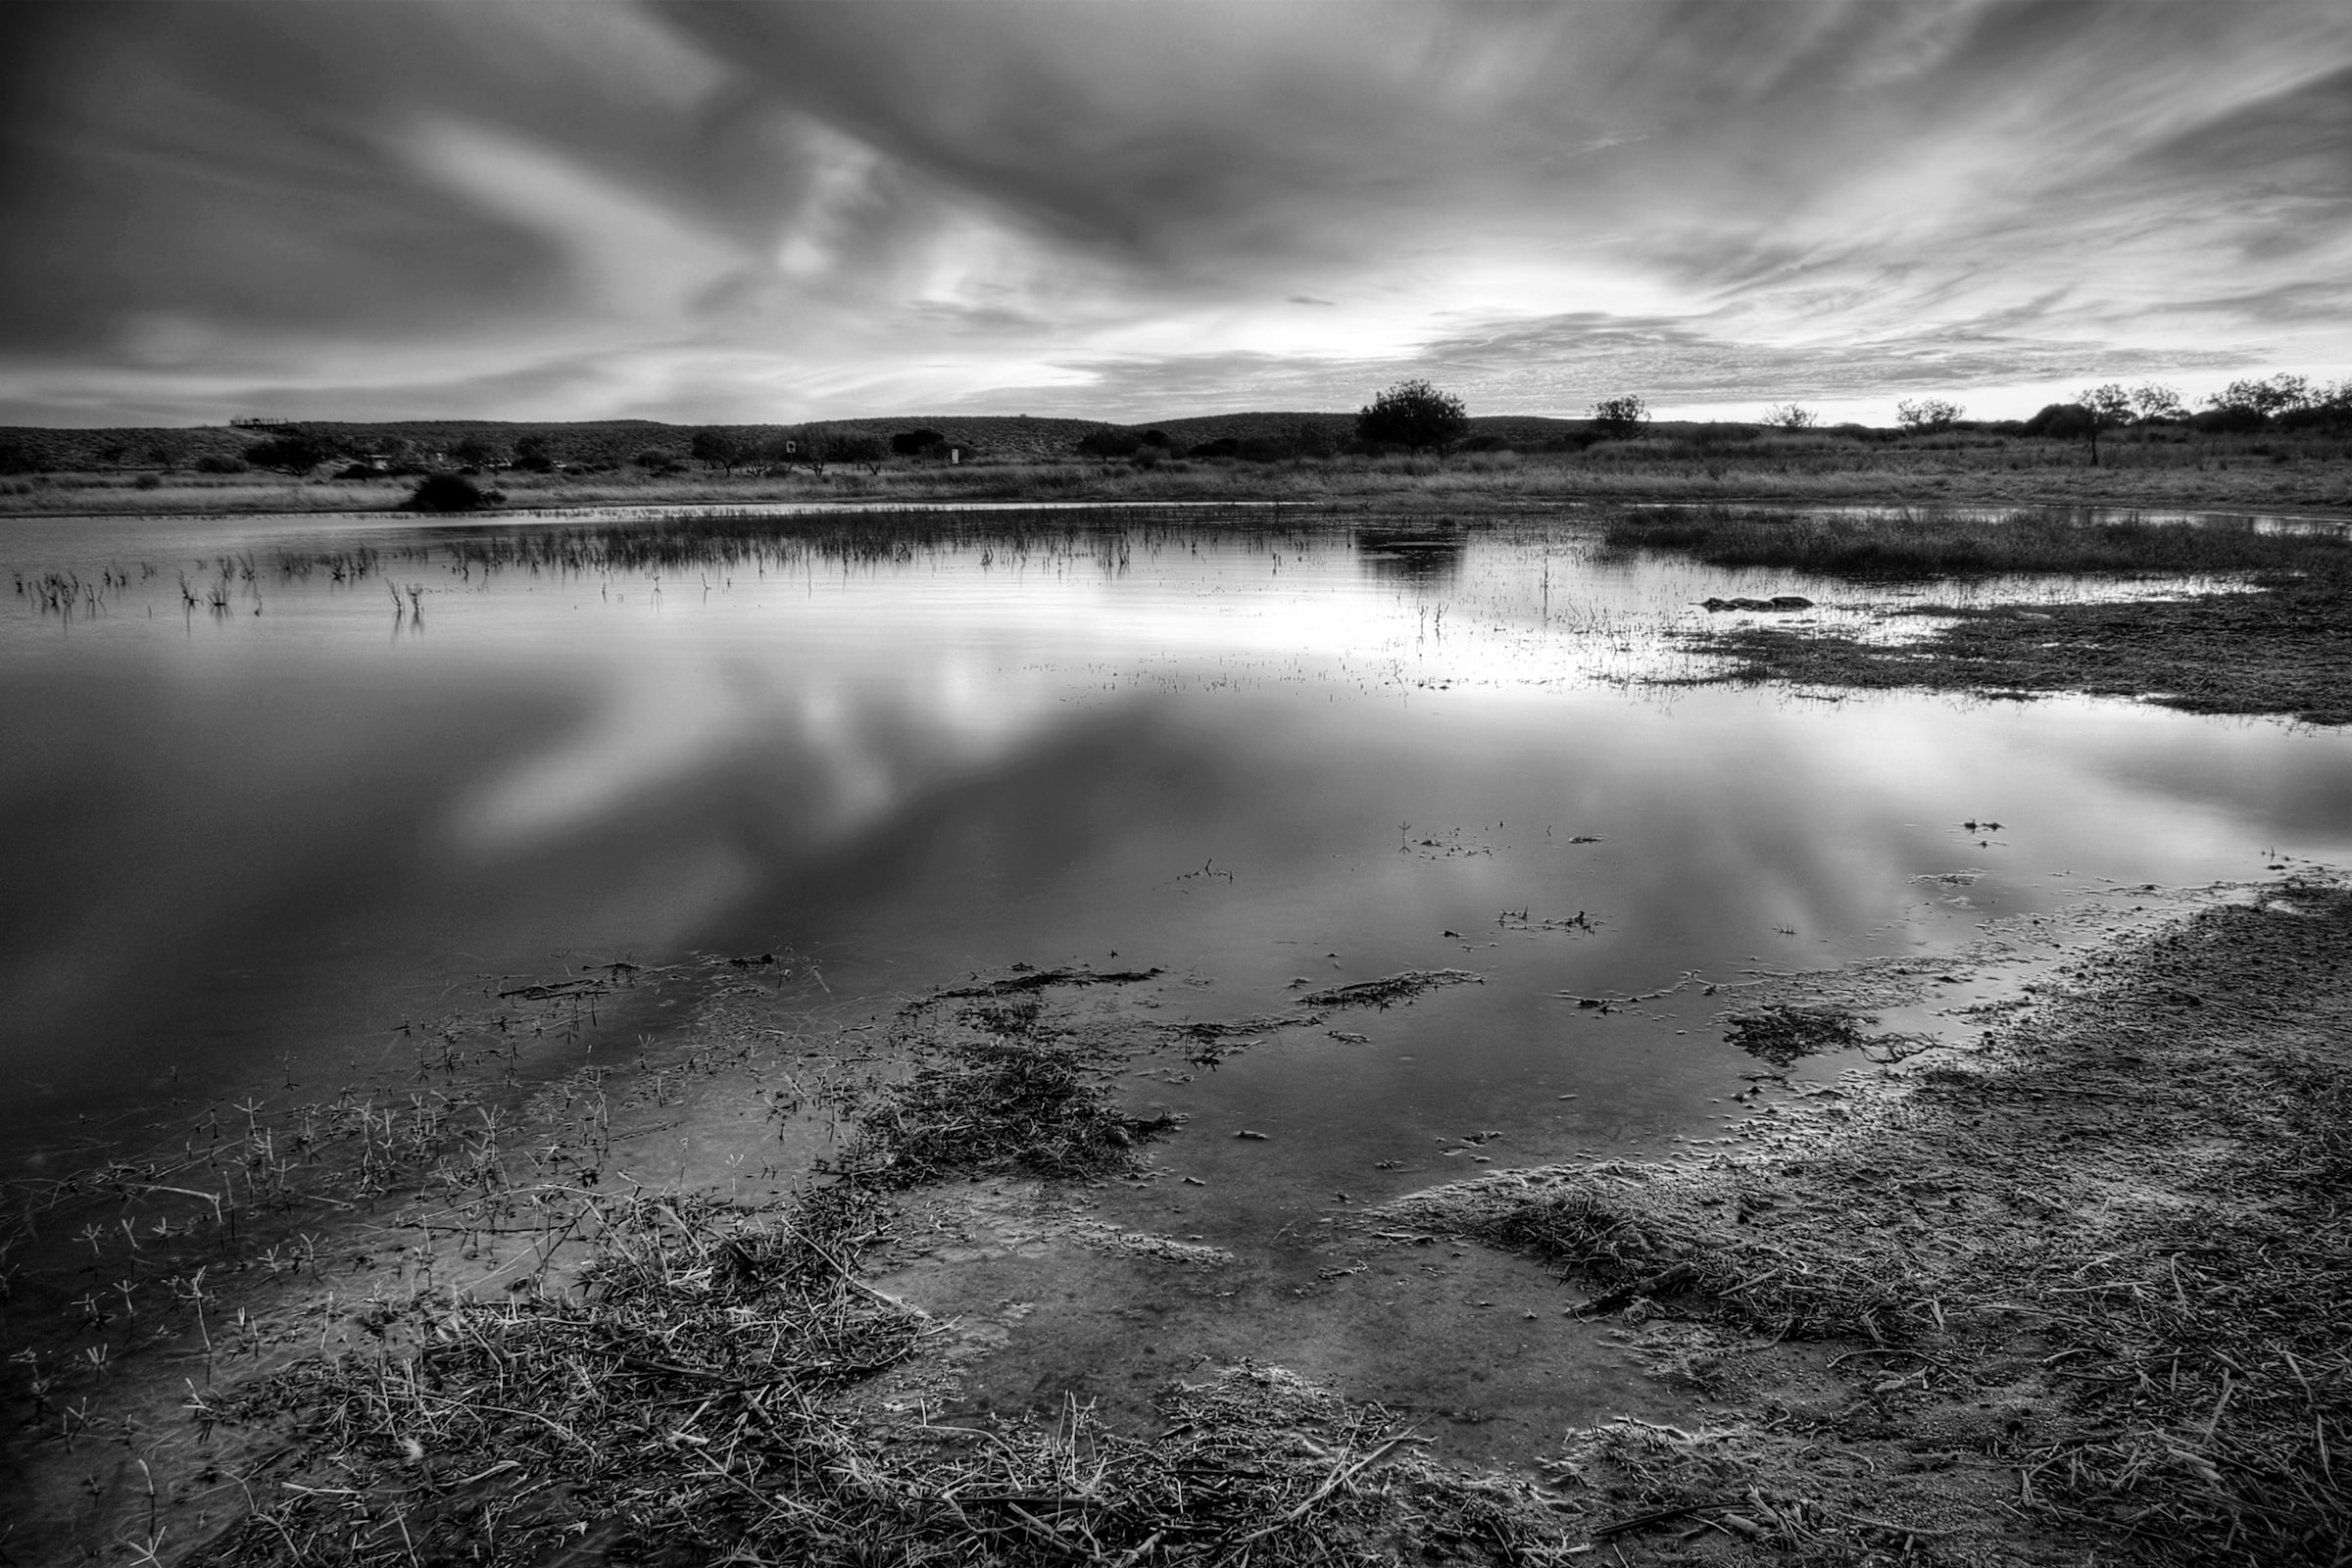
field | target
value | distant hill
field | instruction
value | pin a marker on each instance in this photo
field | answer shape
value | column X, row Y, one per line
column 27, row 449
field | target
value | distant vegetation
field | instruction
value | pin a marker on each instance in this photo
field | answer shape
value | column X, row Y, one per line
column 1920, row 546
column 2273, row 441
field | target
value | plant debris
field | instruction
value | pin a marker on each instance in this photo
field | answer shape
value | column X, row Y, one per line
column 1785, row 1032
column 1389, row 990
column 695, row 1403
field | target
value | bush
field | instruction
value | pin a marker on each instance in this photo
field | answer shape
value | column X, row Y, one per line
column 297, row 452
column 2060, row 421
column 914, row 443
column 1411, row 413
column 1926, row 416
column 446, row 492
column 1620, row 416
column 1224, row 446
column 2236, row 420
column 216, row 463
column 1108, row 442
column 149, row 482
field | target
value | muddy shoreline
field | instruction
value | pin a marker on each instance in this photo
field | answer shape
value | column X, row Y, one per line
column 2282, row 650
column 2081, row 1289
column 2074, row 1285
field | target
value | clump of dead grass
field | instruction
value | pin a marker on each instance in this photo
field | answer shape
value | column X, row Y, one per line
column 1784, row 1033
column 998, row 1106
column 687, row 1407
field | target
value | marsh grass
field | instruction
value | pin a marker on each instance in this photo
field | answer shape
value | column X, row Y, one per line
column 1915, row 546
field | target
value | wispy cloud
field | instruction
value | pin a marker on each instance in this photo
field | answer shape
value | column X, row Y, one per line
column 777, row 210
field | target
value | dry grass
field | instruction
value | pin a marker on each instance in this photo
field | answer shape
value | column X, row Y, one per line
column 713, row 1386
column 2122, row 1225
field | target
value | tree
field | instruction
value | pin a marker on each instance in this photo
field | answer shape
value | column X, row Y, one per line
column 2153, row 401
column 1788, row 416
column 296, row 452
column 475, row 451
column 2273, row 395
column 1926, row 416
column 1413, row 415
column 1620, row 416
column 714, row 447
column 1110, row 442
column 2108, row 405
column 914, row 443
column 531, row 453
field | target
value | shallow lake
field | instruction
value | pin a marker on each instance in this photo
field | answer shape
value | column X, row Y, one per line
column 282, row 791
column 274, row 785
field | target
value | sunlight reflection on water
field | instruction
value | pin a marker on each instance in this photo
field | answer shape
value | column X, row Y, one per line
column 263, row 833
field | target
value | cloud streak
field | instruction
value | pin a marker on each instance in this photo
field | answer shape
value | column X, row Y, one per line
column 750, row 211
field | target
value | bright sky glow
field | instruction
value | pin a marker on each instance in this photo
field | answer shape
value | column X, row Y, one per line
column 771, row 212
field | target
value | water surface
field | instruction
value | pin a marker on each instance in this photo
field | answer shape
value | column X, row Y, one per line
column 277, row 785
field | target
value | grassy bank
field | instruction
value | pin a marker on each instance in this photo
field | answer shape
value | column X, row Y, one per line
column 1911, row 545
column 2279, row 643
column 2081, row 1290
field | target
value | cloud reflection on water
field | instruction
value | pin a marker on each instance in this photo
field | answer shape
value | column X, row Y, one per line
column 283, row 834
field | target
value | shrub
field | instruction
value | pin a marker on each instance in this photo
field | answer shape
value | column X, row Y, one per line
column 1620, row 416
column 2059, row 421
column 149, row 482
column 1415, row 414
column 297, row 452
column 1925, row 416
column 914, row 443
column 2234, row 421
column 446, row 492
column 1108, row 442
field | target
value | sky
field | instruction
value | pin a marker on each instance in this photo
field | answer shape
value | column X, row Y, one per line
column 759, row 212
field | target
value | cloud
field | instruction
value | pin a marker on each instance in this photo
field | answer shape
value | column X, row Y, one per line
column 781, row 211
